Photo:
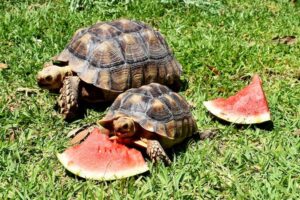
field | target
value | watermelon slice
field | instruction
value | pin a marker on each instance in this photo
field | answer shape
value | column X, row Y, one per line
column 248, row 106
column 100, row 158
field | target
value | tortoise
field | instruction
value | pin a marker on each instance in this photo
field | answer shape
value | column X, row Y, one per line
column 153, row 114
column 106, row 59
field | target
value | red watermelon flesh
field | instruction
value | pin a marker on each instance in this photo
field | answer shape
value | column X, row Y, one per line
column 248, row 106
column 99, row 158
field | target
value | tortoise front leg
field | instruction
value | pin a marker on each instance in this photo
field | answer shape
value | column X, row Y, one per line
column 68, row 98
column 156, row 152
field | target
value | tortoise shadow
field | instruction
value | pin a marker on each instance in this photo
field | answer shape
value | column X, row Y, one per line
column 84, row 106
column 98, row 107
column 182, row 147
column 178, row 148
column 184, row 85
column 197, row 138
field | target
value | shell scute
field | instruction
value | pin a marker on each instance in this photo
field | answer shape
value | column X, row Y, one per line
column 155, row 90
column 137, row 76
column 158, row 111
column 179, row 128
column 81, row 46
column 160, row 128
column 88, row 74
column 171, row 129
column 132, row 46
column 172, row 104
column 154, row 45
column 80, row 32
column 139, row 103
column 106, row 54
column 163, row 41
column 120, row 77
column 104, row 31
column 147, row 124
column 126, row 25
column 183, row 104
column 185, row 126
column 104, row 79
column 150, row 72
column 144, row 91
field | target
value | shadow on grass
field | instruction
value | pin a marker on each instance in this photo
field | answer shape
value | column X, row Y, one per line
column 201, row 135
column 184, row 85
column 267, row 126
column 84, row 106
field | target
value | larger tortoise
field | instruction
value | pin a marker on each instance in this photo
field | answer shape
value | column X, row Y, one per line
column 105, row 60
column 154, row 114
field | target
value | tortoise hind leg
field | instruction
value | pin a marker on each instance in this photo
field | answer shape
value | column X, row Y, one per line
column 208, row 133
column 68, row 98
column 156, row 152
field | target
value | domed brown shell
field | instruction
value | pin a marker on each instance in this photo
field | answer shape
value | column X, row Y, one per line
column 156, row 109
column 121, row 54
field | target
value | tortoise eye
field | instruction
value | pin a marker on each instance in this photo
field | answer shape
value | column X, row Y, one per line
column 125, row 126
column 48, row 78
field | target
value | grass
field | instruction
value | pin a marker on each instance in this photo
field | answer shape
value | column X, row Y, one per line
column 233, row 36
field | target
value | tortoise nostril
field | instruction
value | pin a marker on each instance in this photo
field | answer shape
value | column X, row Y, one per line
column 118, row 134
column 48, row 78
column 117, row 129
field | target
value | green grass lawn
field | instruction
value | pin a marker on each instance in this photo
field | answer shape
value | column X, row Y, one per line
column 233, row 36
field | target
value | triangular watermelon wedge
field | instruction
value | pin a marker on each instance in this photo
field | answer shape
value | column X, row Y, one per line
column 100, row 158
column 248, row 106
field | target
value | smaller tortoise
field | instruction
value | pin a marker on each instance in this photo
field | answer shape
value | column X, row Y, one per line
column 153, row 114
column 106, row 59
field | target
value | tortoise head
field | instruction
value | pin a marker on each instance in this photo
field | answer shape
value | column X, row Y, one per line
column 124, row 127
column 52, row 76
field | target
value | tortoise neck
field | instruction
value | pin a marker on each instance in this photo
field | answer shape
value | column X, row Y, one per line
column 66, row 71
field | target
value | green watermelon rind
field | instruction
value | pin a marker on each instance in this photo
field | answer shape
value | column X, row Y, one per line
column 235, row 117
column 75, row 169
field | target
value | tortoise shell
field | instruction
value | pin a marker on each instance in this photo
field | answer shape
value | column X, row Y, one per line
column 156, row 109
column 119, row 55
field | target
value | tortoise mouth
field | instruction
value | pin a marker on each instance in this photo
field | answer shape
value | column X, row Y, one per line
column 119, row 134
column 123, row 134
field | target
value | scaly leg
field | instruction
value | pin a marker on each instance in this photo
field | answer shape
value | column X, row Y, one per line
column 156, row 152
column 208, row 133
column 68, row 98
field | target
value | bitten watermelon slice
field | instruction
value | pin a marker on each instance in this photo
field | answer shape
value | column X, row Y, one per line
column 99, row 158
column 248, row 106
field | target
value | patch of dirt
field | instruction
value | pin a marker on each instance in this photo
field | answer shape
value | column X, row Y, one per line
column 3, row 66
column 214, row 70
column 12, row 134
column 297, row 133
